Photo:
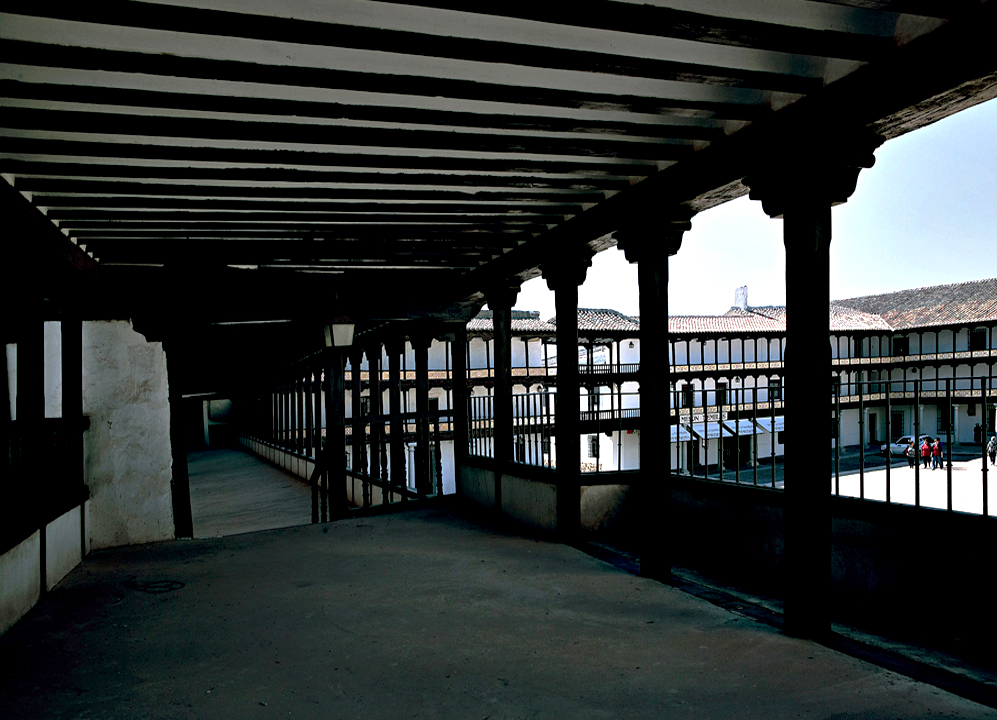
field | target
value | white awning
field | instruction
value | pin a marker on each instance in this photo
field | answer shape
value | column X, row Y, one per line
column 680, row 434
column 742, row 427
column 708, row 431
column 765, row 423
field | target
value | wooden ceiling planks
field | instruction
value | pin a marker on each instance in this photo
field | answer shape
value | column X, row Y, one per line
column 466, row 140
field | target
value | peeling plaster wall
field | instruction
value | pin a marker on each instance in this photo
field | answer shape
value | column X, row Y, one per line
column 128, row 454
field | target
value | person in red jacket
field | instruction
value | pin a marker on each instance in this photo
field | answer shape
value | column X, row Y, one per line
column 925, row 453
column 936, row 454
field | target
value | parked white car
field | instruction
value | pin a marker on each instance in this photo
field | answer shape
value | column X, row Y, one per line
column 899, row 446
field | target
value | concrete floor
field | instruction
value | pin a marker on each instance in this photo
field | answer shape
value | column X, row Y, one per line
column 415, row 614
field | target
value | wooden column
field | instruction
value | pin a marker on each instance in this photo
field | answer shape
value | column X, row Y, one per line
column 376, row 405
column 501, row 300
column 335, row 433
column 183, row 522
column 29, row 494
column 310, row 448
column 650, row 244
column 423, row 477
column 316, row 401
column 397, row 438
column 299, row 403
column 458, row 362
column 285, row 418
column 358, row 424
column 800, row 183
column 564, row 275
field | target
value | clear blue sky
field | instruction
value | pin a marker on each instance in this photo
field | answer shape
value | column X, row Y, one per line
column 925, row 214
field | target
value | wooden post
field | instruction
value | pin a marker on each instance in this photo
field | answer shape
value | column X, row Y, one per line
column 183, row 521
column 799, row 183
column 396, row 464
column 420, row 347
column 650, row 245
column 564, row 275
column 501, row 301
column 335, row 441
column 30, row 411
column 359, row 425
column 458, row 361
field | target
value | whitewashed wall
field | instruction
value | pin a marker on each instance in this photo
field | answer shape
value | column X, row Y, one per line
column 127, row 449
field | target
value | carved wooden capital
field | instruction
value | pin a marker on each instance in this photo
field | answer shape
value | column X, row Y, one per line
column 654, row 238
column 811, row 173
column 562, row 272
column 502, row 296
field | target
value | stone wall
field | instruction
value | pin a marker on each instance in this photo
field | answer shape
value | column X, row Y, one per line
column 127, row 448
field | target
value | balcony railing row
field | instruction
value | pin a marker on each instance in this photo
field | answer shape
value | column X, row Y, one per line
column 732, row 437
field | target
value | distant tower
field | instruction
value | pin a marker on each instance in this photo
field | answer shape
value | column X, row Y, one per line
column 741, row 298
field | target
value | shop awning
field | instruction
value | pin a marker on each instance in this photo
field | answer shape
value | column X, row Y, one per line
column 680, row 434
column 709, row 431
column 744, row 426
column 766, row 423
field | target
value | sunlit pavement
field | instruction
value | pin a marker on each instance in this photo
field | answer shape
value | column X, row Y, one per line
column 926, row 487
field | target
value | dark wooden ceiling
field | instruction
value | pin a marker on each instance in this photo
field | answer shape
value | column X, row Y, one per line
column 385, row 160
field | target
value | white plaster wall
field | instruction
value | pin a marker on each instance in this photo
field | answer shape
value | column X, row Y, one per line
column 518, row 352
column 630, row 354
column 438, row 355
column 630, row 395
column 127, row 449
column 62, row 545
column 20, row 578
column 607, row 451
column 449, row 469
column 631, row 450
column 962, row 340
column 52, row 348
column 695, row 352
column 850, row 427
column 478, row 360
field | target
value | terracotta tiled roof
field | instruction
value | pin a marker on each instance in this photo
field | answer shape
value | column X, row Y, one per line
column 845, row 319
column 524, row 322
column 968, row 302
column 590, row 319
column 733, row 321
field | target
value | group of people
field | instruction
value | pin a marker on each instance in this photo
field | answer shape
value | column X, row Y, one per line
column 929, row 451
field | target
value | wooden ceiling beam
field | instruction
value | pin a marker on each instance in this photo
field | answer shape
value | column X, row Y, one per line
column 189, row 128
column 926, row 80
column 68, row 207
column 163, row 218
column 91, row 150
column 457, row 237
column 659, row 22
column 705, row 128
column 47, row 176
column 65, row 191
column 173, row 66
